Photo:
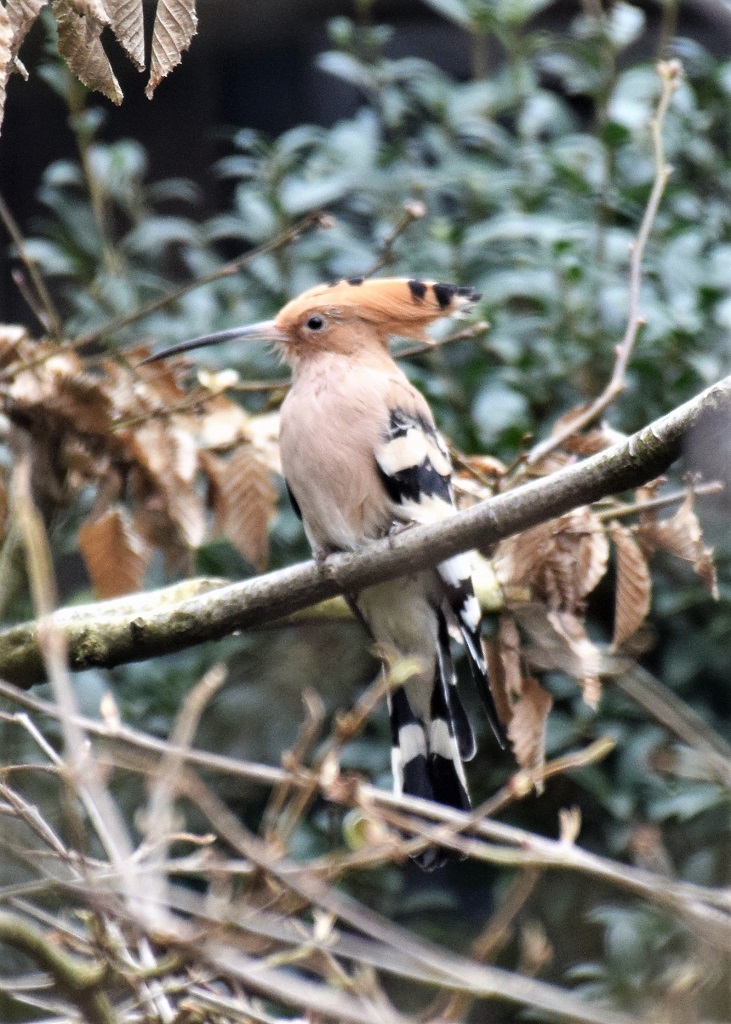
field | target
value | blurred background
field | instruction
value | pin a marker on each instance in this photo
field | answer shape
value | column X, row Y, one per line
column 522, row 126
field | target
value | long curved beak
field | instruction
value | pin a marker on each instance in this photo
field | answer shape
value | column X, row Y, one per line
column 267, row 330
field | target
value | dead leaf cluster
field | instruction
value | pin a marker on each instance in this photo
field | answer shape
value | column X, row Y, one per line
column 547, row 575
column 80, row 25
column 157, row 468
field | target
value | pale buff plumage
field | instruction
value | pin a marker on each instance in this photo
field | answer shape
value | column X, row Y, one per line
column 361, row 456
column 340, row 409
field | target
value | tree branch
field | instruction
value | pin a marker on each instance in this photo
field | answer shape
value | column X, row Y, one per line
column 133, row 629
column 670, row 73
column 79, row 980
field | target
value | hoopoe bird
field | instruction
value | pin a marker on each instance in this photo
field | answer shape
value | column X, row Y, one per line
column 362, row 457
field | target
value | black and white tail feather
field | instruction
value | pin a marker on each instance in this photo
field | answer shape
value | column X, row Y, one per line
column 429, row 751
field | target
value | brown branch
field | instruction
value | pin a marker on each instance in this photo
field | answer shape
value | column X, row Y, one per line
column 233, row 267
column 618, row 511
column 137, row 751
column 96, row 636
column 46, row 313
column 79, row 980
column 413, row 211
column 670, row 76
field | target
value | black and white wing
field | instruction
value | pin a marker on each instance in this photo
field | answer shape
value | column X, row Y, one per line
column 414, row 467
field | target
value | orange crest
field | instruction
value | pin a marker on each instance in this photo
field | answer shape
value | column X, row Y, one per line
column 393, row 305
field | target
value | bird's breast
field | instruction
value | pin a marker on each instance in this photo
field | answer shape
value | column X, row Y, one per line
column 329, row 431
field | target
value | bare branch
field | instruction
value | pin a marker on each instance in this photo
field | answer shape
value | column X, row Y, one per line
column 670, row 78
column 227, row 270
column 96, row 636
column 47, row 311
column 412, row 211
column 79, row 980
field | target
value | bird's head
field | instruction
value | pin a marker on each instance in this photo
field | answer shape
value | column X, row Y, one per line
column 347, row 316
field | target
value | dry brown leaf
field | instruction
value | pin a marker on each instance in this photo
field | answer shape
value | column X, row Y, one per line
column 596, row 440
column 509, row 652
column 245, row 503
column 498, row 681
column 82, row 399
column 568, row 418
column 633, row 587
column 175, row 26
column 264, row 435
column 681, row 535
column 223, row 424
column 125, row 18
column 116, row 556
column 561, row 561
column 558, row 640
column 590, row 442
column 585, row 654
column 487, row 466
column 169, row 456
column 527, row 728
column 6, row 56
column 22, row 14
column 12, row 339
column 80, row 24
column 520, row 700
column 648, row 516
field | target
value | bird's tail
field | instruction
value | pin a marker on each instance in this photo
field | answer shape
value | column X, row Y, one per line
column 427, row 756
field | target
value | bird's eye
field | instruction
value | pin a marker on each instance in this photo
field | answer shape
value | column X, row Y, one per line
column 315, row 323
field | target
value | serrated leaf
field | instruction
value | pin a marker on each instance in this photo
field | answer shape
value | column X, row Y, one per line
column 171, row 512
column 80, row 23
column 585, row 657
column 22, row 14
column 244, row 500
column 126, row 21
column 115, row 555
column 502, row 665
column 558, row 640
column 174, row 28
column 527, row 728
column 6, row 56
column 634, row 585
column 561, row 561
column 681, row 535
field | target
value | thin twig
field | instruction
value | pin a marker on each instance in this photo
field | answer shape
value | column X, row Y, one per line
column 670, row 78
column 473, row 331
column 227, row 270
column 474, row 834
column 158, row 817
column 521, row 785
column 292, row 761
column 326, row 770
column 80, row 981
column 413, row 211
column 83, row 768
column 637, row 508
column 491, row 939
column 49, row 317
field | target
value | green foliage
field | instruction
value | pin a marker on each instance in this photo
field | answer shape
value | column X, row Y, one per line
column 534, row 180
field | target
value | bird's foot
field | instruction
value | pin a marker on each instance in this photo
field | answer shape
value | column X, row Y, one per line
column 321, row 555
column 394, row 530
